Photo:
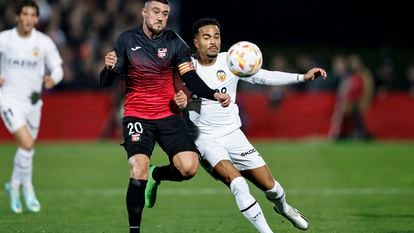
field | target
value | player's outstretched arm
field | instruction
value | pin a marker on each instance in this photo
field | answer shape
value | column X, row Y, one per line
column 278, row 78
column 314, row 73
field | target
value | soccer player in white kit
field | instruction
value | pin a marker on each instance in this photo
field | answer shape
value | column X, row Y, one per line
column 25, row 54
column 224, row 149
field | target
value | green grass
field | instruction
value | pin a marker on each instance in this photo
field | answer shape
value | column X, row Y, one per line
column 341, row 187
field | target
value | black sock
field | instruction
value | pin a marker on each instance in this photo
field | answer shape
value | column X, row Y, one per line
column 169, row 172
column 135, row 200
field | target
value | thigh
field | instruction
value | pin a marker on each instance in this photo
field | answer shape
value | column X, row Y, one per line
column 139, row 136
column 173, row 136
column 13, row 117
column 242, row 153
column 211, row 153
column 33, row 119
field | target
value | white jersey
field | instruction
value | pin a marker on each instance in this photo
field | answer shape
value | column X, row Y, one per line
column 209, row 116
column 23, row 64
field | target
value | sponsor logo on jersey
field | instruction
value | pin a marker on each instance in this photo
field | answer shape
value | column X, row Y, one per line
column 17, row 63
column 162, row 52
column 221, row 75
column 135, row 137
column 251, row 151
column 136, row 48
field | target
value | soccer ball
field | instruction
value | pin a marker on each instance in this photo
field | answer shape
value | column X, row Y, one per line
column 244, row 59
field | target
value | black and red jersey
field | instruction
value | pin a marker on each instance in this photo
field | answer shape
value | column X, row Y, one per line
column 148, row 66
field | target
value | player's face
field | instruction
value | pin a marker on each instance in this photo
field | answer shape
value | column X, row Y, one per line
column 208, row 41
column 27, row 19
column 155, row 16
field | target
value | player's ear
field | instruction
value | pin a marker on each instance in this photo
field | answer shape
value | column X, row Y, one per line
column 36, row 20
column 195, row 41
column 144, row 12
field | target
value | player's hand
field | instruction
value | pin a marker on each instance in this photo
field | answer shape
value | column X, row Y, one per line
column 48, row 82
column 180, row 98
column 110, row 60
column 314, row 73
column 1, row 81
column 223, row 98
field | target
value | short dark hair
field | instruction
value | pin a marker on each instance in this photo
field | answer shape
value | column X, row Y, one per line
column 161, row 1
column 26, row 3
column 203, row 22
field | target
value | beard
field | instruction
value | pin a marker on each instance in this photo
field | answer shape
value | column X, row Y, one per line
column 155, row 31
column 212, row 56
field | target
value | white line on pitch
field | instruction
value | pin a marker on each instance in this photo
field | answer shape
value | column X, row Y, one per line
column 219, row 191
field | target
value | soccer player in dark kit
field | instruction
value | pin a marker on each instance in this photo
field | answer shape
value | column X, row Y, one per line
column 147, row 57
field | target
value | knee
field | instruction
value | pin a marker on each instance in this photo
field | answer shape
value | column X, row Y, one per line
column 188, row 173
column 27, row 145
column 138, row 170
column 186, row 164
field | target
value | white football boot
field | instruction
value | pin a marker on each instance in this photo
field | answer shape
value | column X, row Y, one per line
column 14, row 195
column 295, row 217
column 32, row 204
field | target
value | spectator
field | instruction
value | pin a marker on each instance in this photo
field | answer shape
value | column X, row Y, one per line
column 276, row 93
column 385, row 79
column 410, row 79
column 354, row 96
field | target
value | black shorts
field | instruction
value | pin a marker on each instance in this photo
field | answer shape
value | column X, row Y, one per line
column 170, row 133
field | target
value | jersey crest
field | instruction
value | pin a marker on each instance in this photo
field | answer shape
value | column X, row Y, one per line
column 221, row 75
column 162, row 52
column 36, row 52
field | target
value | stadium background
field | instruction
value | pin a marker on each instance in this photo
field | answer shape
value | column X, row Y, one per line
column 349, row 186
column 301, row 33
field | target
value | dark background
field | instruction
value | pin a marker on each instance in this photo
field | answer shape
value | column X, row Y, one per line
column 312, row 23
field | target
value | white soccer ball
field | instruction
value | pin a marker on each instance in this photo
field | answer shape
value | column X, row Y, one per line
column 244, row 59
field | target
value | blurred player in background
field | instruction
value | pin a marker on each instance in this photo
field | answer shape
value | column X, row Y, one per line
column 225, row 151
column 147, row 57
column 25, row 54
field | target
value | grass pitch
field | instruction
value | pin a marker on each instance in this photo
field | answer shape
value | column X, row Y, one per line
column 341, row 187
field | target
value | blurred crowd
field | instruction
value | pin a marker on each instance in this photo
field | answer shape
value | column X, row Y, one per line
column 355, row 83
column 85, row 30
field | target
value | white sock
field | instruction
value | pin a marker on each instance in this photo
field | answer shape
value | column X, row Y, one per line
column 22, row 169
column 278, row 197
column 248, row 205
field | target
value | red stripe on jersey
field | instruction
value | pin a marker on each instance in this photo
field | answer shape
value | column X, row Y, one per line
column 150, row 96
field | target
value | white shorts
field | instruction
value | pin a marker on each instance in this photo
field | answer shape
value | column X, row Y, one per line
column 234, row 147
column 15, row 116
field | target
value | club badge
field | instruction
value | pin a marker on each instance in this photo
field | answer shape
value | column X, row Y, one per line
column 221, row 75
column 135, row 137
column 162, row 52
